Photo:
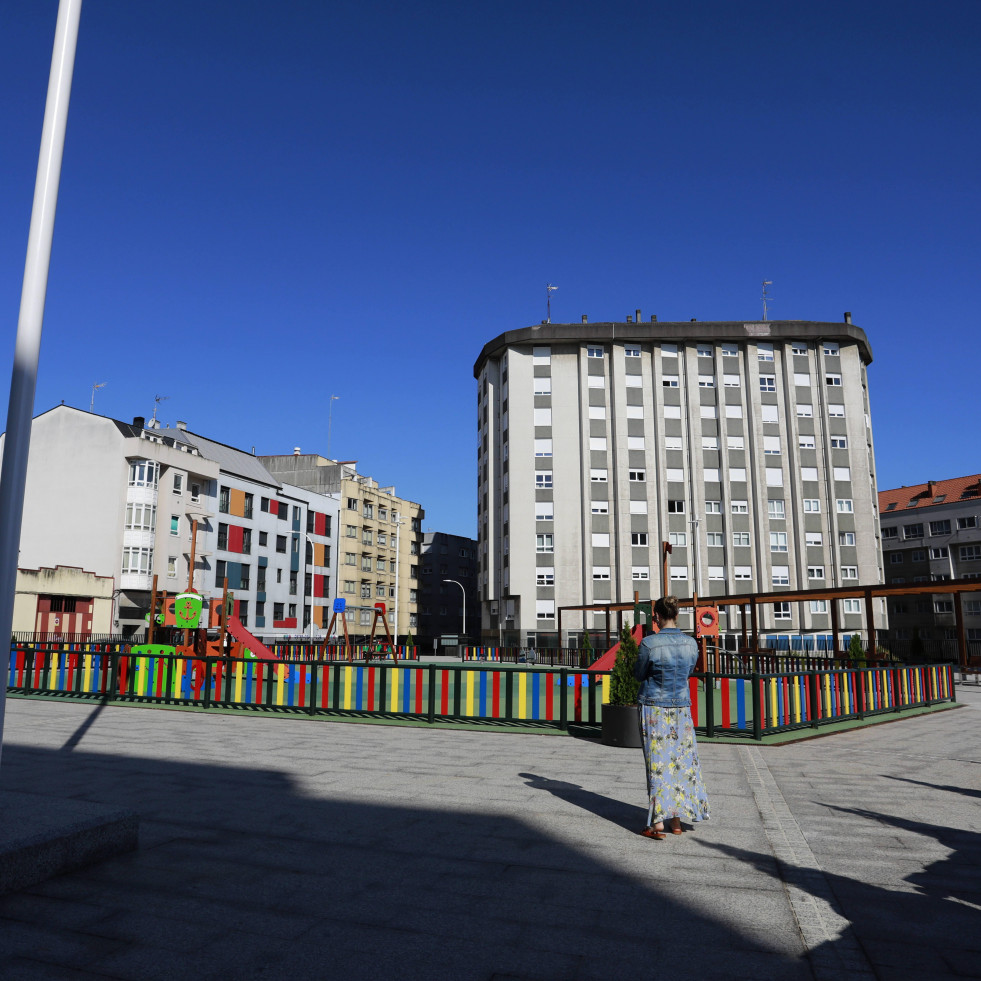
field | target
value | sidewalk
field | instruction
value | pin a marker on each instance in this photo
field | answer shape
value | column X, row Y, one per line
column 278, row 847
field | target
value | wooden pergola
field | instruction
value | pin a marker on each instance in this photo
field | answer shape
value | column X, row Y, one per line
column 750, row 624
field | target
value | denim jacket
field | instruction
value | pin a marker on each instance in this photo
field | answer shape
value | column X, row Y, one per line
column 665, row 661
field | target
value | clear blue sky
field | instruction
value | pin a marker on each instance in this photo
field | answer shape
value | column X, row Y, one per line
column 278, row 194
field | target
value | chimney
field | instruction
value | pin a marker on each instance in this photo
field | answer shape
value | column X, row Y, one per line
column 630, row 319
column 585, row 319
column 139, row 422
column 653, row 318
column 848, row 316
column 637, row 316
column 296, row 451
column 693, row 320
column 181, row 425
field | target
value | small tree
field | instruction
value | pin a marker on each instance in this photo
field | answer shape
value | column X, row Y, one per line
column 855, row 648
column 623, row 685
column 586, row 651
column 409, row 642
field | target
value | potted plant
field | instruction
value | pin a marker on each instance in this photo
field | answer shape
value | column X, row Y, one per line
column 621, row 715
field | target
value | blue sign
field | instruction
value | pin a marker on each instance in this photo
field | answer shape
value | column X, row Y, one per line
column 340, row 605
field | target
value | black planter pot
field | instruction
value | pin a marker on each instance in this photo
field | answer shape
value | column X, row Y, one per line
column 621, row 726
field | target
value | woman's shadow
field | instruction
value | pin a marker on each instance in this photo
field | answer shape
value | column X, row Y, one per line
column 627, row 816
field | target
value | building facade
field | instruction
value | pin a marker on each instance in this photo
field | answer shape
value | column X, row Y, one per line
column 745, row 447
column 448, row 608
column 932, row 532
column 133, row 502
column 379, row 540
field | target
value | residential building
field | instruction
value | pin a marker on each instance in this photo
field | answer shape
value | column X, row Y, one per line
column 379, row 538
column 745, row 447
column 932, row 532
column 133, row 502
column 448, row 591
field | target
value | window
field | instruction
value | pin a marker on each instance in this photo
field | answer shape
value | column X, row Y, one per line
column 280, row 543
column 834, row 380
column 971, row 521
column 710, row 442
column 596, row 381
column 641, row 572
column 734, row 412
column 594, row 352
column 638, row 507
column 679, row 572
column 544, row 543
column 768, row 413
column 716, row 572
column 631, row 350
column 740, row 507
column 781, row 611
column 541, row 355
column 600, row 507
column 543, row 447
column 836, row 410
column 144, row 517
column 917, row 555
column 595, row 442
column 889, row 532
column 704, row 411
column 778, row 541
column 351, row 531
column 740, row 538
column 600, row 539
column 735, row 442
column 939, row 552
column 775, row 509
column 846, row 538
column 768, row 383
column 543, row 478
column 713, row 507
column 223, row 536
column 943, row 606
column 144, row 473
column 845, row 505
column 815, row 572
column 972, row 608
column 175, row 523
column 601, row 573
column 729, row 350
column 597, row 412
column 671, row 411
column 830, row 348
column 369, row 510
column 781, row 575
column 543, row 385
column 737, row 474
column 715, row 539
column 678, row 538
column 819, row 606
column 802, row 379
column 542, row 417
column 672, row 442
column 839, row 442
column 137, row 561
column 546, row 575
column 544, row 511
column 849, row 572
column 171, row 567
column 970, row 553
column 712, row 474
column 669, row 381
column 247, row 541
column 805, row 441
column 704, row 350
column 669, row 350
column 638, row 538
column 706, row 381
column 676, row 507
column 805, row 410
column 249, row 501
column 895, row 558
column 774, row 477
column 842, row 473
column 764, row 351
column 730, row 381
column 352, row 504
column 637, row 475
column 808, row 473
column 812, row 505
column 940, row 527
column 851, row 606
column 813, row 538
column 674, row 473
column 771, row 445
column 743, row 572
column 635, row 442
column 598, row 475
column 913, row 531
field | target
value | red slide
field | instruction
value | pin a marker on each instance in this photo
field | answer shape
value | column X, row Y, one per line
column 605, row 661
column 259, row 651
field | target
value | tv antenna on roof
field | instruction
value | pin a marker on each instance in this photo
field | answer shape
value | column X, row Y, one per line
column 549, row 289
column 157, row 399
column 766, row 296
column 96, row 386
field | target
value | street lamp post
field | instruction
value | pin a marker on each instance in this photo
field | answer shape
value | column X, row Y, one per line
column 462, row 590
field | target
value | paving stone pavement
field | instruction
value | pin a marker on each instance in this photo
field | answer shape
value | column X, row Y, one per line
column 282, row 847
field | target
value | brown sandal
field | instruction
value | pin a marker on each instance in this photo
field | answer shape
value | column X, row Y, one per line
column 652, row 833
column 676, row 828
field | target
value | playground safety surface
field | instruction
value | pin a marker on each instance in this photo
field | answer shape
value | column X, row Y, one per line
column 337, row 850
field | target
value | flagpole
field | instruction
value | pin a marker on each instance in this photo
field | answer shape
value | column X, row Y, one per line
column 27, row 346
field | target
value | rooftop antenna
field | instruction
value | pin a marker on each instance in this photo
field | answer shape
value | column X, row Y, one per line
column 157, row 399
column 549, row 289
column 95, row 387
column 766, row 296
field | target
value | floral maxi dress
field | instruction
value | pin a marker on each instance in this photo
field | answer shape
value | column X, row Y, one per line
column 674, row 777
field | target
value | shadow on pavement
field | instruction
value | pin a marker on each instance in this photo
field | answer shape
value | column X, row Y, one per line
column 966, row 791
column 627, row 816
column 241, row 875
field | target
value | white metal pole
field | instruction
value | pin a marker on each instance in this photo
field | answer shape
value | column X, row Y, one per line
column 28, row 344
column 398, row 565
column 462, row 590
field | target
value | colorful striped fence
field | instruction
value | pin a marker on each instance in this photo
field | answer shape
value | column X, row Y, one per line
column 751, row 706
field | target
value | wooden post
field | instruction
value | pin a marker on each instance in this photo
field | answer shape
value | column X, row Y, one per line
column 834, row 626
column 223, row 618
column 151, row 623
column 665, row 551
column 961, row 633
column 870, row 624
column 742, row 623
column 754, row 624
column 608, row 644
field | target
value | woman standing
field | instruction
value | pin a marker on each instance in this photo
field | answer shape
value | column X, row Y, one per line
column 674, row 778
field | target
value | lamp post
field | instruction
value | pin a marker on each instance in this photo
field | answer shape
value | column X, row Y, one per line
column 398, row 565
column 462, row 590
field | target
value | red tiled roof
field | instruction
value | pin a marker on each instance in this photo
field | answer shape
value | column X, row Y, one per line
column 928, row 494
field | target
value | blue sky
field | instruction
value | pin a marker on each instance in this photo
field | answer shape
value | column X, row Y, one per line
column 258, row 197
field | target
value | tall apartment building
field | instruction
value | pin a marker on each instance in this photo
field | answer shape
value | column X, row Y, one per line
column 379, row 539
column 745, row 446
column 441, row 602
column 119, row 500
column 932, row 532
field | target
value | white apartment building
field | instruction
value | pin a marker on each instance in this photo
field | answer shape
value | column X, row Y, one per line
column 119, row 500
column 747, row 447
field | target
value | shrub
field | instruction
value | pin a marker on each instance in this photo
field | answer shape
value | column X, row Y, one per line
column 586, row 651
column 856, row 649
column 623, row 685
